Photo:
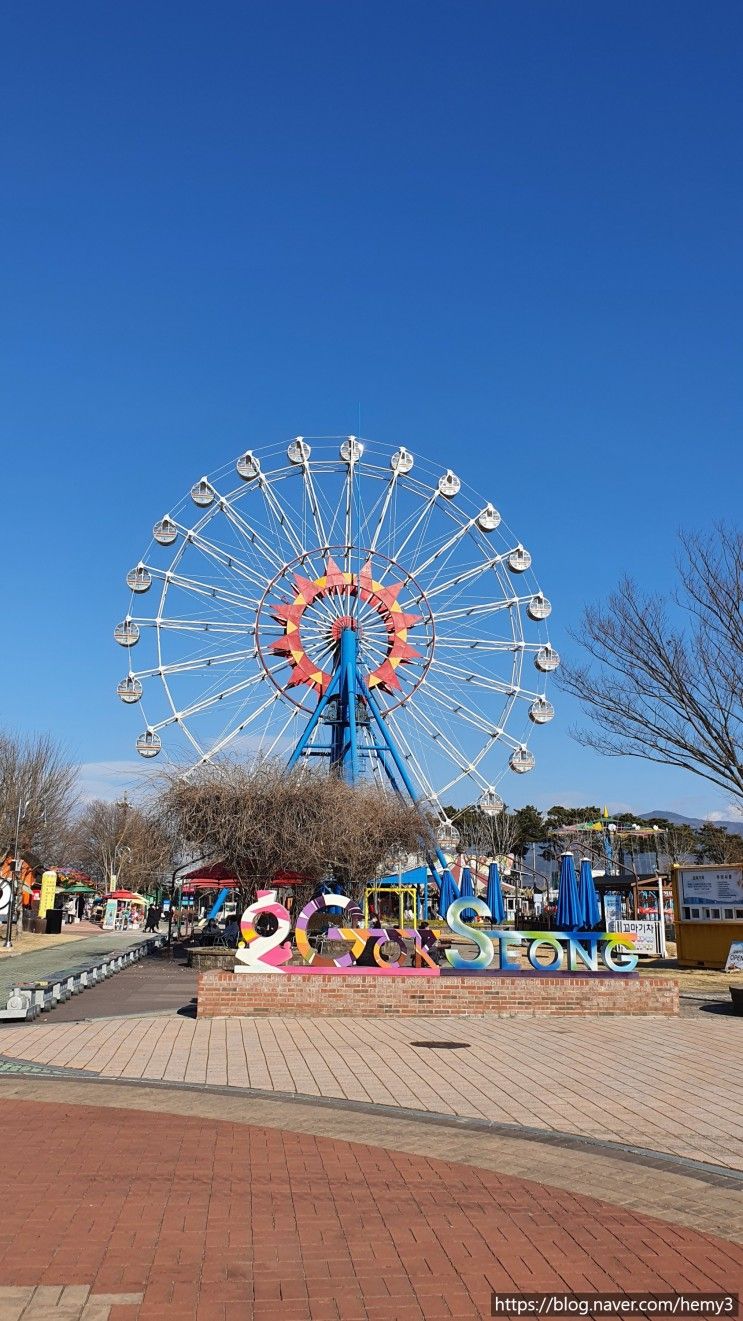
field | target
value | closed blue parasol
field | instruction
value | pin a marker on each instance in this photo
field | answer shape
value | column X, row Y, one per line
column 494, row 896
column 568, row 915
column 467, row 891
column 589, row 900
column 448, row 892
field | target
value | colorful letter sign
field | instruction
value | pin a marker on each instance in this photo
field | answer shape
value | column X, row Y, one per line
column 546, row 951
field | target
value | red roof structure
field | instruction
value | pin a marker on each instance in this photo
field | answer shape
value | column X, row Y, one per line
column 217, row 874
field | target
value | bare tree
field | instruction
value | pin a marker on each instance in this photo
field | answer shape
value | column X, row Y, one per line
column 677, row 842
column 261, row 820
column 488, row 834
column 369, row 830
column 667, row 686
column 118, row 842
column 36, row 775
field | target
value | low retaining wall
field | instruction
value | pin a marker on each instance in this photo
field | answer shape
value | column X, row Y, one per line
column 256, row 995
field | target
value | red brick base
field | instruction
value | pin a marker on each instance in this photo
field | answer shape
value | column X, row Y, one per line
column 254, row 994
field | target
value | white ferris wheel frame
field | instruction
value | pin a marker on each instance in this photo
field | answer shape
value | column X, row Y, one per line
column 448, row 498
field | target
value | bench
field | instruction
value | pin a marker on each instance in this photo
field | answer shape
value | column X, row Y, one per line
column 29, row 999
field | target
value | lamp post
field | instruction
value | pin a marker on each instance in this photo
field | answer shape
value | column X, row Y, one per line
column 180, row 868
column 20, row 817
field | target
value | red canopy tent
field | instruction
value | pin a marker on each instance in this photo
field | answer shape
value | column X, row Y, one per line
column 219, row 877
column 217, row 874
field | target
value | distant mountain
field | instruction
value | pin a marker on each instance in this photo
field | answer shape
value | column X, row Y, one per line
column 733, row 827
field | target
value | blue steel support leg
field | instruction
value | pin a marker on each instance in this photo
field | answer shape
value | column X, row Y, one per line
column 352, row 731
column 311, row 725
column 389, row 742
column 348, row 740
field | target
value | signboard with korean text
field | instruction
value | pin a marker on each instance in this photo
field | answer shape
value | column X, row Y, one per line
column 48, row 892
column 711, row 887
column 646, row 934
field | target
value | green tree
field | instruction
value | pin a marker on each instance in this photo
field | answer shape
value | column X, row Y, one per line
column 714, row 844
column 558, row 816
column 530, row 828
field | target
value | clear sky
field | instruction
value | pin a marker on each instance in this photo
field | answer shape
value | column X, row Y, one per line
column 509, row 232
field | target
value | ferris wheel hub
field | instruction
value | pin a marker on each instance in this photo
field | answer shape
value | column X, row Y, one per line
column 313, row 613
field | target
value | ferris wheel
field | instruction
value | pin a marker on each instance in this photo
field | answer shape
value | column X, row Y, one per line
column 327, row 598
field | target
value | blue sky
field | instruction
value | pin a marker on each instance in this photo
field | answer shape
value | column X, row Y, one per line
column 509, row 232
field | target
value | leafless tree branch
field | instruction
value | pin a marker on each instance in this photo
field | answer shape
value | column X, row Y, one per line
column 670, row 691
column 261, row 819
column 35, row 772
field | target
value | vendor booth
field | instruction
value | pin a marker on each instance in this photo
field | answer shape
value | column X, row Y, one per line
column 708, row 902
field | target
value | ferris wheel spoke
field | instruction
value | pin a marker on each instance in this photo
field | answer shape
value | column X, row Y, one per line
column 465, row 576
column 486, row 681
column 309, row 485
column 482, row 609
column 224, row 558
column 444, row 548
column 201, row 588
column 240, row 728
column 434, row 732
column 242, row 526
column 273, row 747
column 455, row 708
column 348, row 498
column 486, row 644
column 281, row 516
column 425, row 513
column 386, row 501
column 197, row 707
column 196, row 663
column 193, row 625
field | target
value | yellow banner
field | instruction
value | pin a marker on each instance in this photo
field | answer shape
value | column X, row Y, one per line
column 48, row 891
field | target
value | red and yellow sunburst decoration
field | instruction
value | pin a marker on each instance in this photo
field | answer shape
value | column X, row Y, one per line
column 336, row 582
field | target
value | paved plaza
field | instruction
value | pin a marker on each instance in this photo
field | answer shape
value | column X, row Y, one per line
column 382, row 1170
column 157, row 1217
column 673, row 1086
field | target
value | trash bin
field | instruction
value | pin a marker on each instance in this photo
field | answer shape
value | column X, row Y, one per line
column 54, row 921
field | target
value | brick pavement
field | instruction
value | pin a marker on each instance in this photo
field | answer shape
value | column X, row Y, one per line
column 668, row 1085
column 218, row 1221
column 665, row 1187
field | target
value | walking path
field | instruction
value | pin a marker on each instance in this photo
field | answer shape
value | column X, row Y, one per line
column 671, row 1086
column 59, row 952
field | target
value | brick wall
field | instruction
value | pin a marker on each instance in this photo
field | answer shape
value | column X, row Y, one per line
column 229, row 994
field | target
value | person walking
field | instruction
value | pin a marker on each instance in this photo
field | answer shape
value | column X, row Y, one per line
column 153, row 918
